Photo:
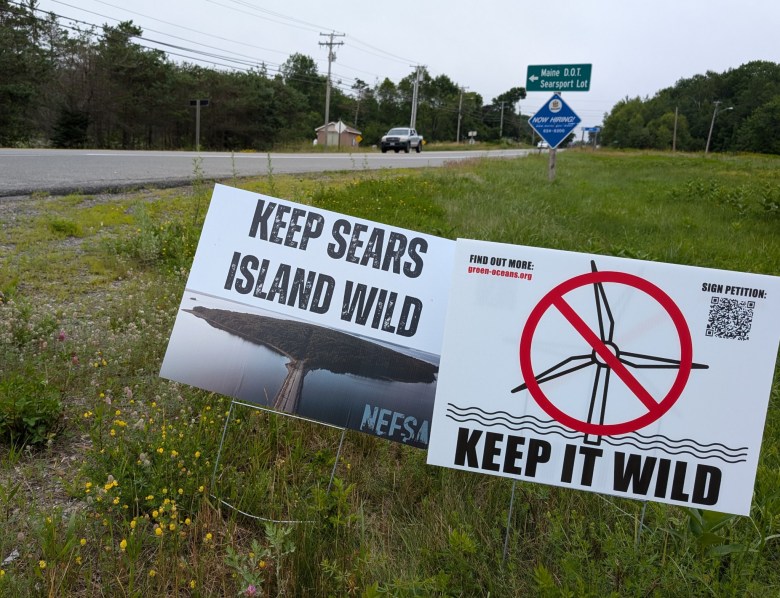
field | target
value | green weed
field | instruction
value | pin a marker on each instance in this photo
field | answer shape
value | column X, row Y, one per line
column 65, row 228
column 30, row 408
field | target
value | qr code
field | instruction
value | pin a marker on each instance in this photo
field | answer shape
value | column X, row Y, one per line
column 730, row 318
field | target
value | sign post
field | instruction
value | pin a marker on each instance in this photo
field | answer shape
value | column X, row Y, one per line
column 557, row 78
column 198, row 103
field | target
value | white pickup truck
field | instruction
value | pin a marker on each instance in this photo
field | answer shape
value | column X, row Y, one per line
column 401, row 138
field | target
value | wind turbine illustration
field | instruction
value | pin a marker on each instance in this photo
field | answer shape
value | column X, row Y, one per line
column 601, row 380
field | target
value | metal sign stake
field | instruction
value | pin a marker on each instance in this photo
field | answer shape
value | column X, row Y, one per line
column 218, row 458
column 509, row 521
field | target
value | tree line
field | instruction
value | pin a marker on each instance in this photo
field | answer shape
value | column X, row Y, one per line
column 66, row 86
column 71, row 87
column 738, row 110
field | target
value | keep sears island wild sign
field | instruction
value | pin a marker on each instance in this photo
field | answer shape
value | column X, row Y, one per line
column 316, row 314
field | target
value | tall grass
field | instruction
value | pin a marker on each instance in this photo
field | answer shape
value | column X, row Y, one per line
column 126, row 498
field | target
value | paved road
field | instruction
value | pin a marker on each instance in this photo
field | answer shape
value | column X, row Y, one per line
column 25, row 171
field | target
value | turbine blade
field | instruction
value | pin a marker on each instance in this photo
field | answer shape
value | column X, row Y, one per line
column 552, row 373
column 655, row 362
column 606, row 321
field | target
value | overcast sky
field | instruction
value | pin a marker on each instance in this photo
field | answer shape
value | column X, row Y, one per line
column 636, row 48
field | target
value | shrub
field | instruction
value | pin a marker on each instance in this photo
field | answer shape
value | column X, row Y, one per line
column 158, row 242
column 29, row 409
column 62, row 227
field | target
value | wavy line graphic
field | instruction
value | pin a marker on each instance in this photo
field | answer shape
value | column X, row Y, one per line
column 509, row 421
column 517, row 428
column 683, row 446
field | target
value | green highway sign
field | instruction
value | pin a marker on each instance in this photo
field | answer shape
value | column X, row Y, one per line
column 558, row 77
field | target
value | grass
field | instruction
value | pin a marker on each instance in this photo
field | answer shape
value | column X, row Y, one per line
column 119, row 501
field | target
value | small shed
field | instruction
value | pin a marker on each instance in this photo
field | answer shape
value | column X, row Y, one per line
column 337, row 134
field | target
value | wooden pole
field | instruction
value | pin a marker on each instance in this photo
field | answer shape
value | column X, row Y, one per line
column 551, row 165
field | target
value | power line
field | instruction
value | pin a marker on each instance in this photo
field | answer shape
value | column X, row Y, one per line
column 175, row 25
column 353, row 42
column 247, row 66
column 307, row 27
column 275, row 66
column 250, row 58
column 276, row 14
column 382, row 53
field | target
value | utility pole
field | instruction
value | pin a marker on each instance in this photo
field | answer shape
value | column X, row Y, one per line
column 501, row 126
column 674, row 135
column 712, row 123
column 460, row 108
column 415, row 91
column 197, row 103
column 357, row 105
column 331, row 57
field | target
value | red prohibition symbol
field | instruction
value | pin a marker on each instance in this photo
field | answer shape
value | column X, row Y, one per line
column 655, row 407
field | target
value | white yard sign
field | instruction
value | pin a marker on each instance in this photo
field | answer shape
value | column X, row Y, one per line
column 637, row 379
column 314, row 313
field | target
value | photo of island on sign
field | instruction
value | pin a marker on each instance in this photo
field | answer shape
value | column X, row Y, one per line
column 637, row 379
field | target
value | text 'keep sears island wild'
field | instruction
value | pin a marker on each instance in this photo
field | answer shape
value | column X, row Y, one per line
column 357, row 243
